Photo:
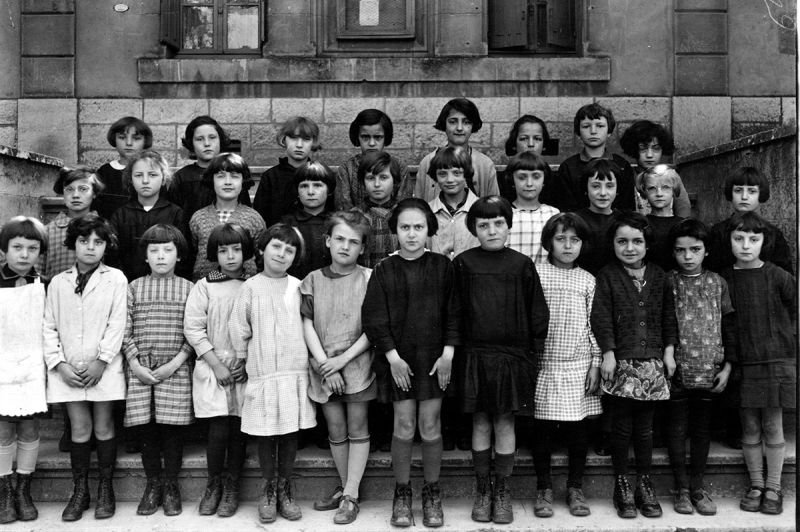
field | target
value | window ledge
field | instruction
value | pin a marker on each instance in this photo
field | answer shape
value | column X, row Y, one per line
column 316, row 70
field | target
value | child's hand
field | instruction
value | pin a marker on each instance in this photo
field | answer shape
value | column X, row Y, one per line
column 315, row 366
column 70, row 376
column 609, row 366
column 444, row 367
column 222, row 373
column 165, row 371
column 335, row 383
column 721, row 378
column 669, row 363
column 93, row 373
column 239, row 370
column 332, row 365
column 401, row 374
column 145, row 375
column 592, row 381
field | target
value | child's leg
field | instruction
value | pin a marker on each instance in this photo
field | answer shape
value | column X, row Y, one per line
column 504, row 444
column 218, row 434
column 621, row 429
column 543, row 451
column 642, row 431
column 172, row 437
column 7, row 443
column 337, row 435
column 149, row 437
column 267, row 455
column 430, row 429
column 27, row 446
column 237, row 447
column 482, row 443
column 103, row 421
column 751, row 445
column 405, row 423
column 700, row 433
column 358, row 432
column 80, row 417
column 577, row 435
column 676, row 440
column 287, row 452
column 775, row 447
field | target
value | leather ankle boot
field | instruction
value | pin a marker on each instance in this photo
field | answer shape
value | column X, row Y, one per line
column 8, row 511
column 623, row 498
column 79, row 502
column 106, row 501
column 26, row 511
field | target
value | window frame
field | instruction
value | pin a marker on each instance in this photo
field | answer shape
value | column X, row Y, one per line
column 535, row 46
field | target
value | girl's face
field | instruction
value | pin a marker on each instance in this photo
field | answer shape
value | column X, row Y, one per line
column 228, row 185
column 78, row 196
column 659, row 191
column 371, row 138
column 206, row 144
column 649, row 154
column 746, row 248
column 745, row 197
column 530, row 138
column 22, row 254
column 345, row 243
column 231, row 259
column 630, row 246
column 601, row 194
column 313, row 195
column 566, row 248
column 278, row 257
column 689, row 254
column 298, row 148
column 162, row 259
column 492, row 233
column 594, row 133
column 379, row 186
column 128, row 143
column 147, row 179
column 412, row 233
column 89, row 251
column 528, row 184
column 452, row 181
column 458, row 129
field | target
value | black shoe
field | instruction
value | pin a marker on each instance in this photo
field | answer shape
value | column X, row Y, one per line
column 623, row 498
column 268, row 502
column 212, row 496
column 106, row 501
column 645, row 497
column 503, row 512
column 432, row 514
column 26, row 511
column 482, row 507
column 287, row 506
column 79, row 502
column 772, row 506
column 401, row 506
column 152, row 498
column 172, row 497
column 230, row 498
column 8, row 511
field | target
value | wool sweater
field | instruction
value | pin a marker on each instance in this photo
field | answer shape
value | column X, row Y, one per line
column 569, row 178
column 277, row 194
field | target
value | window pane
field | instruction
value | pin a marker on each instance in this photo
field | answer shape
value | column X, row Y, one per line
column 243, row 2
column 198, row 28
column 242, row 27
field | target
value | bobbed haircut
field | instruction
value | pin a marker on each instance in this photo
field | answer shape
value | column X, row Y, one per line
column 489, row 207
column 225, row 235
column 643, row 132
column 604, row 169
column 692, row 228
column 409, row 204
column 286, row 234
column 630, row 219
column 749, row 222
column 528, row 161
column 315, row 171
column 660, row 170
column 563, row 222
column 355, row 220
column 462, row 105
column 72, row 173
column 188, row 138
column 164, row 234
column 123, row 124
column 299, row 126
column 747, row 176
column 228, row 162
column 24, row 227
column 371, row 117
column 91, row 223
column 594, row 111
column 452, row 157
column 376, row 162
column 511, row 141
column 155, row 160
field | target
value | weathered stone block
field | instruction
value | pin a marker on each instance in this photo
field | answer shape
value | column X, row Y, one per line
column 500, row 135
column 632, row 109
column 210, row 71
column 498, row 109
column 553, row 109
column 170, row 111
column 272, row 69
column 440, row 69
column 291, row 34
column 745, row 129
column 8, row 112
column 756, row 109
column 285, row 108
column 48, row 35
column 701, row 75
column 262, row 136
column 335, row 136
column 8, row 135
column 699, row 123
column 394, row 68
column 701, row 33
column 48, row 76
column 49, row 126
column 415, row 109
column 427, row 139
column 293, row 7
column 482, row 139
column 403, row 136
column 167, row 137
column 48, row 6
column 461, row 35
column 93, row 137
column 344, row 110
column 701, row 5
column 96, row 158
column 450, row 7
column 789, row 110
column 240, row 132
column 107, row 111
column 311, row 70
column 241, row 110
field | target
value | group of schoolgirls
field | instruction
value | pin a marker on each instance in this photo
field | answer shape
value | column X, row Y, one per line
column 525, row 293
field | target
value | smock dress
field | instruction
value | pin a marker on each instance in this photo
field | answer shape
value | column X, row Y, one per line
column 267, row 330
column 505, row 320
column 570, row 349
column 205, row 325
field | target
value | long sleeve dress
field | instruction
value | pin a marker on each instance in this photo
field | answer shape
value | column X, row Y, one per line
column 205, row 220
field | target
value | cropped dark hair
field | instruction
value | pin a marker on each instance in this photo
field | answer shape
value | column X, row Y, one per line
column 691, row 227
column 511, row 141
column 462, row 105
column 371, row 117
column 70, row 174
column 24, row 227
column 228, row 162
column 604, row 169
column 594, row 111
column 565, row 221
column 299, row 126
column 122, row 125
column 205, row 120
column 747, row 176
column 643, row 132
column 631, row 219
column 316, row 171
column 489, row 207
column 85, row 226
column 376, row 162
column 355, row 220
column 529, row 161
column 408, row 204
column 225, row 235
column 286, row 234
column 452, row 157
column 164, row 234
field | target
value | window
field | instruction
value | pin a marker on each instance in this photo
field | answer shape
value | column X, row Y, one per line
column 538, row 26
column 374, row 19
column 205, row 27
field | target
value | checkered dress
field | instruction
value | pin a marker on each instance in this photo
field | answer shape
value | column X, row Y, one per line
column 154, row 334
column 570, row 348
column 58, row 258
column 525, row 234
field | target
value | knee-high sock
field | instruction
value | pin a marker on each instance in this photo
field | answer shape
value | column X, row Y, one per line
column 218, row 433
column 267, row 453
column 754, row 458
column 503, row 464
column 237, row 447
column 774, row 452
column 356, row 464
column 287, row 452
column 432, row 451
column 340, row 450
column 27, row 453
column 482, row 461
column 172, row 436
column 80, row 454
column 149, row 438
column 106, row 453
column 7, row 453
column 401, row 459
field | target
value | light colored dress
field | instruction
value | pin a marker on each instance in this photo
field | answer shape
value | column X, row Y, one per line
column 453, row 237
column 525, row 234
column 205, row 325
column 570, row 348
column 80, row 328
column 266, row 329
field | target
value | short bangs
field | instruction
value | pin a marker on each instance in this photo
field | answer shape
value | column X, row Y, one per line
column 409, row 204
column 164, row 234
column 747, row 176
column 70, row 174
column 228, row 162
column 286, row 234
column 24, row 227
column 91, row 223
column 563, row 222
column 226, row 235
column 489, row 207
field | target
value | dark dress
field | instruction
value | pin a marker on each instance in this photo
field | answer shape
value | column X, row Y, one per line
column 190, row 194
column 316, row 253
column 277, row 194
column 411, row 306
column 599, row 250
column 659, row 251
column 114, row 196
column 505, row 319
column 567, row 195
column 720, row 255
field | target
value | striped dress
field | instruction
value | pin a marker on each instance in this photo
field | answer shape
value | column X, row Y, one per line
column 154, row 334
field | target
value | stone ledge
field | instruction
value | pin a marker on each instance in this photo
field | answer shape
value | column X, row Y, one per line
column 356, row 70
column 738, row 144
column 30, row 156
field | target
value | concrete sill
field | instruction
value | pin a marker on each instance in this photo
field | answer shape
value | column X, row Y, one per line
column 387, row 70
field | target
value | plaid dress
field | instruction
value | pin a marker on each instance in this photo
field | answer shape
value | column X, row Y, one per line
column 206, row 219
column 382, row 242
column 570, row 348
column 154, row 334
column 525, row 234
column 58, row 258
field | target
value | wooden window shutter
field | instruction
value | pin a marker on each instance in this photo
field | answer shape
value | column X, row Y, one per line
column 561, row 23
column 508, row 23
column 171, row 23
